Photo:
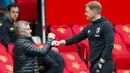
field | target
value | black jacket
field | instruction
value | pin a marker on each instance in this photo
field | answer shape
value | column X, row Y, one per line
column 8, row 35
column 101, row 38
column 25, row 55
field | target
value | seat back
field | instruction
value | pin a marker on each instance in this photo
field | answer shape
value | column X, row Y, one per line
column 121, row 53
column 10, row 49
column 3, row 50
column 124, row 31
column 63, row 32
column 84, row 45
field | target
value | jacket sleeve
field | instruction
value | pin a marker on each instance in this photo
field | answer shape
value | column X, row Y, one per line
column 5, row 38
column 32, row 50
column 77, row 38
column 109, row 41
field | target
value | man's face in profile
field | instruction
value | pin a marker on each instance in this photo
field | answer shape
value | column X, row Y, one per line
column 89, row 13
column 26, row 31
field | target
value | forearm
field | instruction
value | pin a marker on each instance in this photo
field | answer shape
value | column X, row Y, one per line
column 47, row 47
column 75, row 39
column 35, row 51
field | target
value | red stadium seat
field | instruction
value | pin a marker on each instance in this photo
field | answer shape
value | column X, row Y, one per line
column 121, row 54
column 2, row 67
column 63, row 32
column 10, row 48
column 9, row 64
column 10, row 59
column 73, row 63
column 124, row 31
column 77, row 28
column 84, row 45
column 65, row 71
column 6, row 63
column 3, row 58
column 122, row 71
column 2, row 49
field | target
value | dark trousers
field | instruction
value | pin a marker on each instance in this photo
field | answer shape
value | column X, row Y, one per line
column 53, row 62
column 108, row 67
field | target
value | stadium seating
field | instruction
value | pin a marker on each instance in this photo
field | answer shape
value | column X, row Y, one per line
column 122, row 71
column 124, row 31
column 10, row 49
column 2, row 66
column 6, row 61
column 84, row 45
column 9, row 64
column 2, row 49
column 121, row 54
column 65, row 71
column 63, row 32
column 73, row 63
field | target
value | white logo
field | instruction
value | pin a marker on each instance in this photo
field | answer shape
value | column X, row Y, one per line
column 96, row 35
column 97, row 71
column 97, row 30
column 88, row 31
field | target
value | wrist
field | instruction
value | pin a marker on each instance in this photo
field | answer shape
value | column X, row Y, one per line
column 62, row 42
column 100, row 63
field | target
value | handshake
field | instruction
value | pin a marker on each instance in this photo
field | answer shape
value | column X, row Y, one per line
column 56, row 43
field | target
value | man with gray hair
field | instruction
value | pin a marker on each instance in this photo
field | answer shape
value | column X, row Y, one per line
column 25, row 53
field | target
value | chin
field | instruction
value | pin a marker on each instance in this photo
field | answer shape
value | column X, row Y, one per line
column 28, row 36
column 90, row 19
column 14, row 19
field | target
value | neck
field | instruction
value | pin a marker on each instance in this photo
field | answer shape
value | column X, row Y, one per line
column 96, row 17
column 13, row 21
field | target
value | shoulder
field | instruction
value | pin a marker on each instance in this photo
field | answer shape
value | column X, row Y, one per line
column 107, row 24
column 20, row 41
column 4, row 25
column 88, row 26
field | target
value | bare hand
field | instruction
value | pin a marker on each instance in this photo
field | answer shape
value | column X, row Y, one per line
column 100, row 65
column 58, row 43
column 54, row 43
column 101, row 62
column 51, row 35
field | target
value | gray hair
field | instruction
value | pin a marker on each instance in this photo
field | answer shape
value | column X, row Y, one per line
column 20, row 25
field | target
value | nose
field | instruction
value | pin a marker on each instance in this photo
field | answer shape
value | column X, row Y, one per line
column 30, row 30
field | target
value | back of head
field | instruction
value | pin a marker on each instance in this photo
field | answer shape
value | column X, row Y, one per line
column 94, row 5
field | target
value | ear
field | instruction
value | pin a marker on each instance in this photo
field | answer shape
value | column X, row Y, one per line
column 96, row 11
column 21, row 32
column 7, row 11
